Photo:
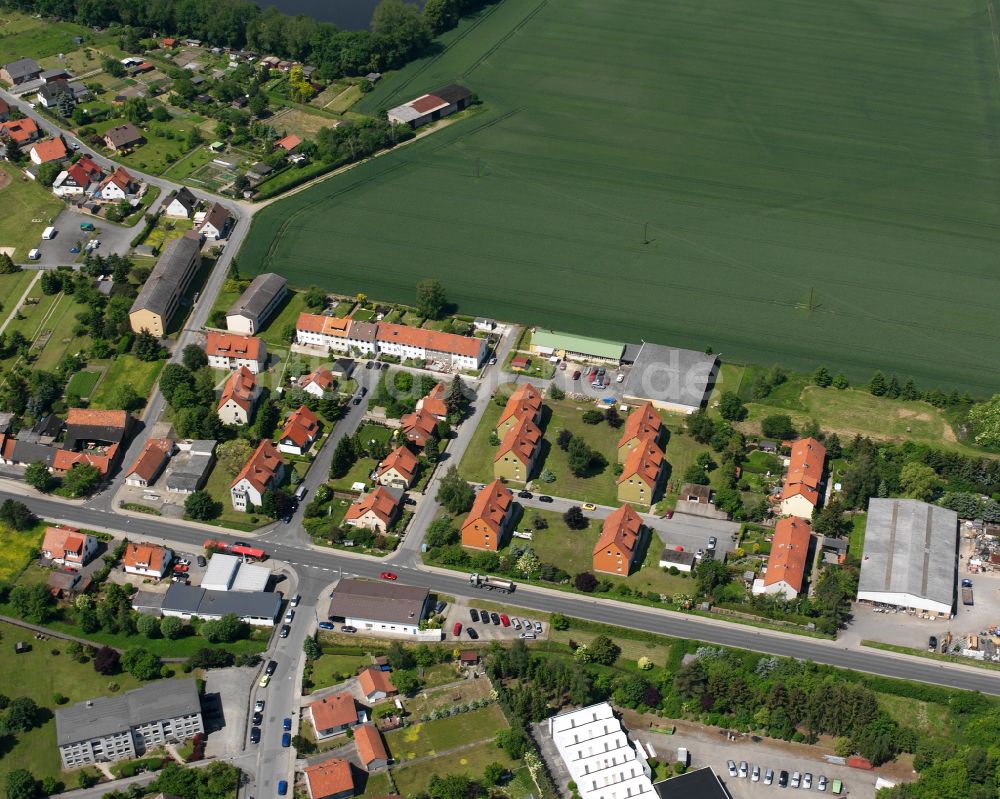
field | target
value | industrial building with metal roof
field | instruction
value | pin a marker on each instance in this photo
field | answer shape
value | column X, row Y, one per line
column 671, row 378
column 567, row 345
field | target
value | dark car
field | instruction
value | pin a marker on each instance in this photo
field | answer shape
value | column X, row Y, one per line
column 484, row 616
column 783, row 779
column 286, row 724
column 369, row 365
column 495, row 618
column 356, row 401
column 200, row 560
column 544, row 498
column 472, row 633
column 284, row 631
column 966, row 583
column 932, row 644
column 272, row 666
column 255, row 735
column 258, row 719
column 286, row 739
column 347, row 628
column 525, row 494
column 440, row 606
column 473, row 614
column 326, row 625
column 385, row 366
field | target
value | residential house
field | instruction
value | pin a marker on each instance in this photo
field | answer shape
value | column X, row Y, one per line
column 217, row 222
column 375, row 684
column 264, row 470
column 318, row 382
column 468, row 658
column 616, row 548
column 160, row 295
column 431, row 107
column 229, row 351
column 79, row 178
column 801, row 491
column 181, row 204
column 239, row 397
column 335, row 714
column 256, row 304
column 67, row 584
column 516, row 455
column 484, row 325
column 94, row 437
column 642, row 424
column 788, row 561
column 67, row 546
column 375, row 510
column 488, row 521
column 641, row 473
column 21, row 131
column 4, row 111
column 419, row 426
column 371, row 748
column 147, row 467
column 168, row 43
column 434, row 402
column 450, row 349
column 147, row 560
column 331, row 779
column 119, row 185
column 54, row 92
column 300, row 431
column 677, row 559
column 362, row 338
column 49, row 150
column 398, row 469
column 318, row 330
column 524, row 403
column 342, row 368
column 20, row 71
column 696, row 494
column 123, row 137
column 288, row 143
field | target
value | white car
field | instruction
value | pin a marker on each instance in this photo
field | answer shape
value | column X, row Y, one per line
column 295, row 601
column 289, row 616
column 821, row 784
column 516, row 622
column 731, row 765
column 755, row 774
column 769, row 776
column 807, row 780
column 258, row 706
column 744, row 769
column 796, row 779
column 538, row 626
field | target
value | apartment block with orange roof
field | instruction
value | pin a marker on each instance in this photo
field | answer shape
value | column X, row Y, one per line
column 518, row 451
column 319, row 330
column 231, row 351
column 641, row 474
column 801, row 492
column 524, row 402
column 398, row 469
column 618, row 544
column 239, row 397
column 788, row 562
column 403, row 341
column 265, row 469
column 641, row 424
column 487, row 523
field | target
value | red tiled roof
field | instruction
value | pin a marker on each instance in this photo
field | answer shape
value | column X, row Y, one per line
column 403, row 461
column 418, row 426
column 50, row 150
column 288, row 143
column 643, row 422
column 230, row 345
column 120, row 178
column 327, row 325
column 369, row 743
column 645, row 462
column 433, row 340
column 334, row 711
column 380, row 502
column 526, row 401
column 151, row 459
column 20, row 130
column 621, row 528
column 434, row 403
column 66, row 459
column 805, row 470
column 329, row 778
column 261, row 468
column 147, row 556
column 372, row 679
column 88, row 416
column 789, row 548
column 322, row 377
column 239, row 388
column 302, row 427
column 491, row 506
column 60, row 540
column 521, row 441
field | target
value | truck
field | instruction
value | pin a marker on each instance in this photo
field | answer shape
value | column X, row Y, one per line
column 491, row 583
column 241, row 550
column 967, row 596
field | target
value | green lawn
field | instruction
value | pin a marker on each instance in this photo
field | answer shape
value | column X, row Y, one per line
column 358, row 473
column 751, row 171
column 217, row 486
column 856, row 543
column 28, row 209
column 332, row 669
column 477, row 462
column 59, row 328
column 21, row 34
column 141, row 375
column 377, row 784
column 413, row 780
column 294, row 305
column 189, row 163
column 166, row 230
column 11, row 289
column 431, row 737
column 928, row 717
column 17, row 549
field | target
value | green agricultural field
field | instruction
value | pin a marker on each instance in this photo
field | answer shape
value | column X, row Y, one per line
column 818, row 181
column 21, row 34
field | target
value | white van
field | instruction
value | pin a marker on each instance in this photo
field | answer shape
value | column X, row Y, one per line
column 34, row 255
column 48, row 233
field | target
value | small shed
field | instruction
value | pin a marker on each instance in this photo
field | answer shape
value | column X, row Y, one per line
column 693, row 492
column 767, row 446
column 520, row 362
column 469, row 657
column 21, row 647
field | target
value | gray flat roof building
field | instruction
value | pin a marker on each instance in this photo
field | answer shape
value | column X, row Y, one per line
column 259, row 607
column 189, row 469
column 910, row 556
column 255, row 304
column 387, row 603
column 671, row 378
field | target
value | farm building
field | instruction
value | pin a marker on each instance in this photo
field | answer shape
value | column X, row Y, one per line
column 431, row 107
column 909, row 556
column 584, row 348
column 672, row 379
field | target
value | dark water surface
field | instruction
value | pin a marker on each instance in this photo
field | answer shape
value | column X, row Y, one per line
column 349, row 15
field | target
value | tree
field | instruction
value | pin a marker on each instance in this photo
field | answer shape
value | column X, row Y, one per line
column 194, row 358
column 696, row 474
column 21, row 715
column 136, row 110
column 311, row 648
column 984, row 418
column 200, row 506
column 700, row 426
column 821, row 377
column 276, row 503
column 107, row 660
column 233, row 455
column 455, row 400
column 225, row 630
column 563, row 439
column 431, row 299
column 147, row 347
column 441, row 16
column 148, row 626
column 344, row 456
column 840, row 382
column 710, row 574
column 830, row 521
column 7, row 265
column 919, row 481
column 876, row 386
column 126, row 398
column 592, row 417
column 586, row 582
column 16, row 515
column 402, row 29
column 33, row 603
column 141, row 663
column 51, row 283
column 731, row 407
column 454, row 493
column 778, row 425
column 558, row 622
column 406, row 681
column 909, row 390
column 432, row 450
column 171, row 628
column 574, row 518
column 580, row 457
column 441, row 533
column 258, row 104
column 21, row 784
column 81, row 479
column 315, row 298
column 512, row 741
column 173, row 377
column 48, row 172
column 556, row 393
column 604, row 651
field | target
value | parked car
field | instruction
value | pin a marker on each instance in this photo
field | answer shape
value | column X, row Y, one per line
column 562, row 366
column 528, row 636
column 326, row 625
column 504, row 620
column 495, row 618
column 527, row 624
column 200, row 560
column 755, row 773
column 258, row 718
column 544, row 498
column 932, row 643
column 356, row 401
column 348, row 628
column 525, row 494
column 769, row 776
column 796, row 779
column 821, row 783
column 255, row 735
column 284, row 631
column 457, row 629
column 264, row 681
column 439, row 606
column 589, row 506
column 368, row 364
column 289, row 616
column 516, row 622
column 731, row 765
column 783, row 779
column 295, row 600
column 286, row 724
column 388, row 575
column 272, row 666
column 484, row 616
column 471, row 632
column 474, row 614
column 620, row 378
column 409, row 501
column 282, row 787
column 712, row 542
column 286, row 739
column 538, row 626
column 744, row 769
column 576, row 374
column 74, row 249
column 184, row 561
column 807, row 781
column 87, row 226
column 258, row 706
column 966, row 583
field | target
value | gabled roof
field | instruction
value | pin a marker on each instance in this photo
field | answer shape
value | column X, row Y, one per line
column 620, row 529
column 643, row 422
column 421, row 422
column 61, row 540
column 145, row 555
column 88, row 417
column 183, row 196
column 258, row 295
column 491, row 506
column 334, row 711
column 66, row 459
column 123, row 135
column 433, row 340
column 231, row 345
column 373, row 679
column 329, row 778
column 805, row 470
column 218, row 216
column 434, row 403
column 261, row 468
column 403, row 461
column 301, row 427
column 789, row 548
column 522, row 440
column 369, row 743
column 289, row 143
column 526, row 401
column 326, row 325
column 158, row 292
column 119, row 178
column 382, row 502
column 20, row 130
column 321, row 376
column 239, row 388
column 644, row 462
column 22, row 68
column 453, row 93
column 49, row 150
column 85, row 172
column 154, row 454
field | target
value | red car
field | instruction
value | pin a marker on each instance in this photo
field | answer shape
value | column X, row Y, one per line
column 504, row 620
column 180, row 567
column 388, row 575
column 457, row 629
column 576, row 375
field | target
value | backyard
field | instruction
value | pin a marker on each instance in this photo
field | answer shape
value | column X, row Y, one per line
column 28, row 209
column 17, row 549
column 141, row 375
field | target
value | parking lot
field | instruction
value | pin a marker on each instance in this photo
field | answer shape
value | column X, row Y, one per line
column 462, row 613
column 113, row 238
